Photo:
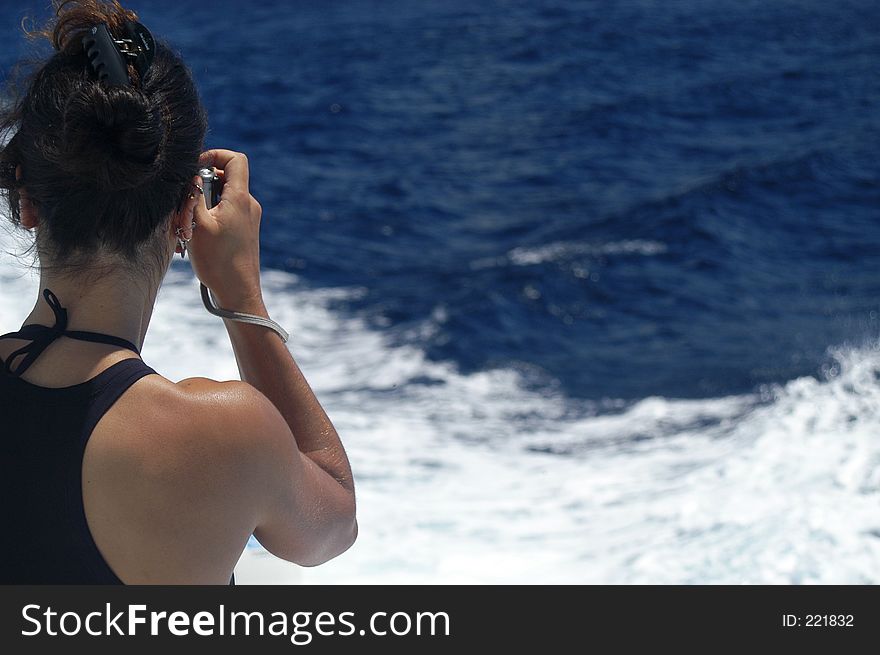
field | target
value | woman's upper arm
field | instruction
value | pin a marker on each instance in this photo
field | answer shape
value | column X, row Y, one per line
column 301, row 513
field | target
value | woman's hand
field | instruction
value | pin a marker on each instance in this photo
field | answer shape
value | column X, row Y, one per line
column 225, row 246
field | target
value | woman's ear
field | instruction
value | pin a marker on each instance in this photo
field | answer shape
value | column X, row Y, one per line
column 27, row 209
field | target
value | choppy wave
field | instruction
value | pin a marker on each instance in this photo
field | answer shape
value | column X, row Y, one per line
column 564, row 250
column 474, row 478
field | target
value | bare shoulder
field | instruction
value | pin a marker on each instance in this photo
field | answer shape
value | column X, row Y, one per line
column 210, row 421
column 229, row 409
column 188, row 430
column 176, row 469
column 198, row 437
column 200, row 389
column 194, row 406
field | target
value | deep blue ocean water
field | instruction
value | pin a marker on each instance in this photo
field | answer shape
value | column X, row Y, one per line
column 622, row 199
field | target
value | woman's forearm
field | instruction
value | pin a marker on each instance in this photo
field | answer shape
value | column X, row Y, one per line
column 265, row 362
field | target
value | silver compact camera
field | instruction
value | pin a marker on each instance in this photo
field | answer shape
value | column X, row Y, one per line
column 212, row 185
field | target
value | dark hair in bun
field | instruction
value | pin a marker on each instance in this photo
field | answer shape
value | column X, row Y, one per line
column 105, row 165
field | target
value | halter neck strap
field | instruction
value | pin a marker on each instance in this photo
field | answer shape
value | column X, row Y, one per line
column 42, row 335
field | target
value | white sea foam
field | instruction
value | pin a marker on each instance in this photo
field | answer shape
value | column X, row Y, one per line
column 475, row 479
column 563, row 250
column 553, row 251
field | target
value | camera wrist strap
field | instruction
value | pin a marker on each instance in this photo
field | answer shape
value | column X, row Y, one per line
column 240, row 316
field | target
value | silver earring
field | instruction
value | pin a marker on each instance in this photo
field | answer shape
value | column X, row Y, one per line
column 182, row 241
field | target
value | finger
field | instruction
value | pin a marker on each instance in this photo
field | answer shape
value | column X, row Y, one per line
column 234, row 164
column 216, row 157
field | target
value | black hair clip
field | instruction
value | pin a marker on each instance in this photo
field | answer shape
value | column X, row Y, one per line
column 109, row 57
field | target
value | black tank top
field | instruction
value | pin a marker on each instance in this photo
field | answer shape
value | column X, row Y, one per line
column 46, row 539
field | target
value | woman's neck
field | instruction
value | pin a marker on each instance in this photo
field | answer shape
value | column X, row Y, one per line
column 114, row 305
